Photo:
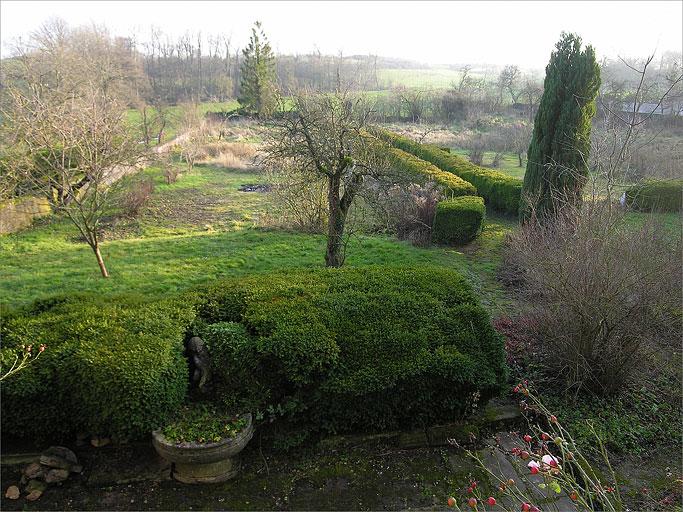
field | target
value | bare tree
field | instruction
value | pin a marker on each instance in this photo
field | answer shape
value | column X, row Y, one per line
column 324, row 136
column 415, row 101
column 66, row 129
column 508, row 81
column 622, row 132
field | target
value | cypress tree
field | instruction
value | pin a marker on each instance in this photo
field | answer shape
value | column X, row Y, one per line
column 258, row 73
column 557, row 164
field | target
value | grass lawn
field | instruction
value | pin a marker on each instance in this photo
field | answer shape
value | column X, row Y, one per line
column 202, row 228
column 509, row 163
column 174, row 114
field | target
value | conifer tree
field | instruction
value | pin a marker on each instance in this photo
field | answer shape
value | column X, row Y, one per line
column 257, row 73
column 557, row 165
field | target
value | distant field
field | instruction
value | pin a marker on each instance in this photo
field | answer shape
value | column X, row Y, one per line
column 437, row 78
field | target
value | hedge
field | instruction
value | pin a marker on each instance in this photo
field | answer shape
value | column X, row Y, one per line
column 422, row 171
column 332, row 350
column 500, row 191
column 355, row 348
column 110, row 369
column 656, row 195
column 458, row 220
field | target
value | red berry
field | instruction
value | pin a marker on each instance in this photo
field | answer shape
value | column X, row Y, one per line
column 534, row 470
column 515, row 389
column 451, row 502
column 553, row 418
column 472, row 502
column 527, row 438
column 526, row 507
column 473, row 484
column 524, row 455
column 573, row 496
column 491, row 501
column 545, row 436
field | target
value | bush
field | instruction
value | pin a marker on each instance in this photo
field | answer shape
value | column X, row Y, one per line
column 656, row 195
column 355, row 348
column 603, row 293
column 137, row 197
column 421, row 172
column 458, row 220
column 410, row 211
column 500, row 191
column 111, row 369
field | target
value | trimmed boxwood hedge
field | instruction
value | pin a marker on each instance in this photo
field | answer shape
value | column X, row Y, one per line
column 355, row 348
column 458, row 220
column 329, row 349
column 656, row 195
column 500, row 191
column 420, row 171
column 110, row 369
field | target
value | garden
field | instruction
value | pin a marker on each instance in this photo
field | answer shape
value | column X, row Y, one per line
column 288, row 303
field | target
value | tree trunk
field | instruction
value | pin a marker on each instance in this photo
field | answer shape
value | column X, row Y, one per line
column 334, row 257
column 100, row 261
column 519, row 155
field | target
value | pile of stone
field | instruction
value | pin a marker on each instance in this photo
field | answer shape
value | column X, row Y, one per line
column 54, row 466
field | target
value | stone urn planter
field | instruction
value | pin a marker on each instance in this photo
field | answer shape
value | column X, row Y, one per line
column 195, row 463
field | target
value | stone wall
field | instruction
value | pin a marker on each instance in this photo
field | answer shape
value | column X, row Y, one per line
column 17, row 214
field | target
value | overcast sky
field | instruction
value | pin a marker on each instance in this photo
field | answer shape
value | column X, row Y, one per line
column 521, row 33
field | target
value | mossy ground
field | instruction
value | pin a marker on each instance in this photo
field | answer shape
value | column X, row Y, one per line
column 362, row 478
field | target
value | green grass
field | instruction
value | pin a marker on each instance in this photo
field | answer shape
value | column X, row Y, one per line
column 202, row 228
column 509, row 163
column 436, row 78
column 174, row 116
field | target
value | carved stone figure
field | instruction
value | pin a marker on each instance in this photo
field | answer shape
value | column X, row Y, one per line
column 200, row 362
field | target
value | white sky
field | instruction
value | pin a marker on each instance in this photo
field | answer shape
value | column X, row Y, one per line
column 493, row 32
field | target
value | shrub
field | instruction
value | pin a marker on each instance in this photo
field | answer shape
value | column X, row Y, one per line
column 500, row 191
column 421, row 172
column 410, row 211
column 458, row 220
column 604, row 293
column 356, row 348
column 656, row 195
column 137, row 197
column 111, row 369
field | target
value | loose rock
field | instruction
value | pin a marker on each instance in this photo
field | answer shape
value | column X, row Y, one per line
column 98, row 442
column 58, row 457
column 56, row 475
column 35, row 485
column 33, row 470
column 34, row 495
column 13, row 492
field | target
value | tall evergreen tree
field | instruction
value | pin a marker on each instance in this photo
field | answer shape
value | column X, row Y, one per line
column 258, row 73
column 557, row 165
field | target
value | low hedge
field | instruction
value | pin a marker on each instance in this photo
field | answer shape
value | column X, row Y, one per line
column 458, row 220
column 331, row 350
column 352, row 349
column 656, row 195
column 500, row 191
column 420, row 171
column 110, row 369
